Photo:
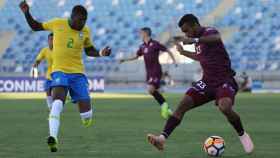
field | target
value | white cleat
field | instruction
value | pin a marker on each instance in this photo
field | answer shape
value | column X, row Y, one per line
column 247, row 143
column 157, row 141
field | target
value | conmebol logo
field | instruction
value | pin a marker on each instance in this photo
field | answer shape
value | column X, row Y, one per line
column 26, row 84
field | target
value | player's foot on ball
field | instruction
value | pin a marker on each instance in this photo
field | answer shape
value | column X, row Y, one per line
column 165, row 111
column 247, row 143
column 156, row 141
column 52, row 143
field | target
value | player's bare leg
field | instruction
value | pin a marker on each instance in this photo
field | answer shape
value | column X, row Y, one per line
column 165, row 109
column 173, row 121
column 59, row 95
column 225, row 106
column 49, row 99
column 85, row 112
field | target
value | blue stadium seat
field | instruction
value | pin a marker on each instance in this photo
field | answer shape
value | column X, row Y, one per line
column 253, row 42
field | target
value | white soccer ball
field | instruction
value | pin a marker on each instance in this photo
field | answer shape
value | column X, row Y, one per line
column 214, row 146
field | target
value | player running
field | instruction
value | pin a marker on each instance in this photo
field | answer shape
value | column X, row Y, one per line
column 150, row 49
column 217, row 83
column 71, row 37
column 46, row 54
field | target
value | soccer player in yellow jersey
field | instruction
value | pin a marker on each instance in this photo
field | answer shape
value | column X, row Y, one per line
column 71, row 37
column 46, row 54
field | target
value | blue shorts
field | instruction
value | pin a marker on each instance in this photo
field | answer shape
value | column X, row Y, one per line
column 76, row 84
column 47, row 85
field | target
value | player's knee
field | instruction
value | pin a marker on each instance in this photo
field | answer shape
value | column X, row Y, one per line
column 84, row 105
column 178, row 114
column 59, row 94
column 185, row 105
column 225, row 105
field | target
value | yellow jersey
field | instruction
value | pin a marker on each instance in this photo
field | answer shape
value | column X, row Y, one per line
column 46, row 54
column 68, row 45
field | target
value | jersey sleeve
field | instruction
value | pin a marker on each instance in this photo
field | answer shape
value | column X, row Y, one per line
column 210, row 31
column 41, row 55
column 88, row 41
column 49, row 25
column 161, row 47
column 139, row 52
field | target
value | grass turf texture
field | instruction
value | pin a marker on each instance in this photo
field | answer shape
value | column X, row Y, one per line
column 122, row 122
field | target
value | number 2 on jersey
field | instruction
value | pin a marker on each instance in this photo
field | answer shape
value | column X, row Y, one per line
column 70, row 43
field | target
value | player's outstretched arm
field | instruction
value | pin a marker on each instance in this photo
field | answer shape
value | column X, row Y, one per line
column 35, row 25
column 204, row 39
column 129, row 59
column 172, row 57
column 210, row 38
column 93, row 52
column 188, row 54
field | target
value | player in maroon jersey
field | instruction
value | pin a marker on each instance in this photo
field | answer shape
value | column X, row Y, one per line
column 150, row 50
column 217, row 83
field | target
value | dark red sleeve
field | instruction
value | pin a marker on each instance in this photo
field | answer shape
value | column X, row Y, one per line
column 139, row 52
column 210, row 31
column 161, row 47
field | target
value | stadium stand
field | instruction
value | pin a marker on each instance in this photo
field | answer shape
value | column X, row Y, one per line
column 251, row 29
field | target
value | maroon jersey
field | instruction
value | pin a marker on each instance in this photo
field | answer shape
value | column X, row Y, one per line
column 214, row 60
column 151, row 51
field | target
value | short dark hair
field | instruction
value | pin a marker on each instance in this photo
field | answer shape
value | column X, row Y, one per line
column 79, row 9
column 50, row 35
column 147, row 30
column 188, row 18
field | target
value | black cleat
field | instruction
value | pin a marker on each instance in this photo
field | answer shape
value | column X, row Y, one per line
column 52, row 143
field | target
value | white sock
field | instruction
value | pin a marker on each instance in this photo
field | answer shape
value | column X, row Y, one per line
column 49, row 101
column 54, row 122
column 162, row 137
column 86, row 115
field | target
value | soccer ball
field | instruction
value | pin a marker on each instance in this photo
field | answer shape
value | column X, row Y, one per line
column 214, row 146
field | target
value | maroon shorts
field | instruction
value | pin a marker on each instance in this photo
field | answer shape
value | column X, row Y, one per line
column 154, row 81
column 201, row 93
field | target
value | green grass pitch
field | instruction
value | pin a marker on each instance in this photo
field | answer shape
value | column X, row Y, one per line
column 122, row 122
